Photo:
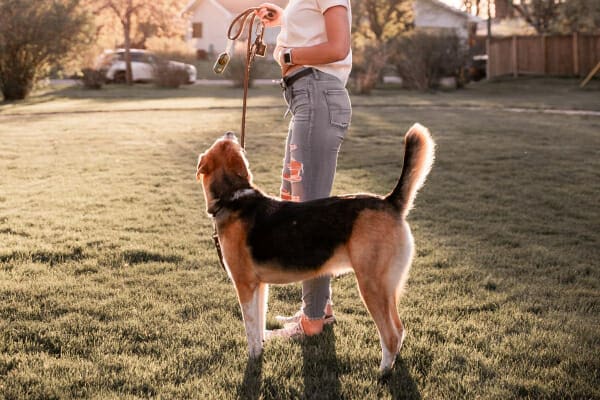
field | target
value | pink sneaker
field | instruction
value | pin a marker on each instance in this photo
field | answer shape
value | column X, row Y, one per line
column 292, row 330
column 328, row 319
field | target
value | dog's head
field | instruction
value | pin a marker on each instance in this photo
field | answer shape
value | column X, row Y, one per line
column 223, row 169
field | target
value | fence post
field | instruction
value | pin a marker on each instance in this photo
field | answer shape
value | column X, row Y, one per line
column 488, row 69
column 576, row 54
column 515, row 62
column 544, row 54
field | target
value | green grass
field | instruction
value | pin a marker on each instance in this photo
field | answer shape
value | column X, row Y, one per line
column 110, row 286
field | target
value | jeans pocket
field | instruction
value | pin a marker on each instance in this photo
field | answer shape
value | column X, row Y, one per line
column 340, row 109
column 300, row 104
column 286, row 97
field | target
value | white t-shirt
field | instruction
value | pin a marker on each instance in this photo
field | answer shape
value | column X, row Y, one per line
column 303, row 25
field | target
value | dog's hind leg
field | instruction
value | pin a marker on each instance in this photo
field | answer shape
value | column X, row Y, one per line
column 380, row 302
column 250, row 296
column 397, row 279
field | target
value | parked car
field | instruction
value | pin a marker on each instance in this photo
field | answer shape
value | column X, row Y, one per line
column 143, row 65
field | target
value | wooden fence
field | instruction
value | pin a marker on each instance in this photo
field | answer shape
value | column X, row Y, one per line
column 556, row 55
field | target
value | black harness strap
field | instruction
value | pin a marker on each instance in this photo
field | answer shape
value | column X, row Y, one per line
column 215, row 237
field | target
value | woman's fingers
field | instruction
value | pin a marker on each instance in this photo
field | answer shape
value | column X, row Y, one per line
column 265, row 14
column 269, row 14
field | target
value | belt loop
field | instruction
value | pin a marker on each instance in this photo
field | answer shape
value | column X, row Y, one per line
column 315, row 73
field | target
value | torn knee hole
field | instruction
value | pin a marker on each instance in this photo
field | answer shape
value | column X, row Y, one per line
column 286, row 195
column 294, row 171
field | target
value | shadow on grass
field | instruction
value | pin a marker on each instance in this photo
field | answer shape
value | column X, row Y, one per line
column 320, row 367
column 400, row 383
column 250, row 387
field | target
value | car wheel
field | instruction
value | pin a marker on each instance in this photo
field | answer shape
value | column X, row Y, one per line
column 120, row 77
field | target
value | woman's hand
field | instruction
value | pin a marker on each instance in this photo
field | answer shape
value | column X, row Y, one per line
column 270, row 14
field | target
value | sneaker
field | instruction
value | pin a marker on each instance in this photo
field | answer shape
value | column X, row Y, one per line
column 328, row 319
column 291, row 330
column 294, row 319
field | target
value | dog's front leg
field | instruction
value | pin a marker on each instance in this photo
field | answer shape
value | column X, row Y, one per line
column 252, row 299
column 263, row 299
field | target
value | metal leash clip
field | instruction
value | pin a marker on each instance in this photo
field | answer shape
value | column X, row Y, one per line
column 224, row 58
column 260, row 47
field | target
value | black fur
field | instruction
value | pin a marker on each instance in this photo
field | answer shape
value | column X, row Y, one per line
column 411, row 145
column 300, row 236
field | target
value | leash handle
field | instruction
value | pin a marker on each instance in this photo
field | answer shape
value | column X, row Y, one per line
column 247, row 17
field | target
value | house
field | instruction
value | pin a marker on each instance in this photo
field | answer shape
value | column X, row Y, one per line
column 437, row 16
column 209, row 21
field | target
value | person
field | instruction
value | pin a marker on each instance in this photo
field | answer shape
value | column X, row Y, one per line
column 313, row 50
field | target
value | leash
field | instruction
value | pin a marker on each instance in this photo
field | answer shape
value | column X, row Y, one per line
column 215, row 237
column 258, row 48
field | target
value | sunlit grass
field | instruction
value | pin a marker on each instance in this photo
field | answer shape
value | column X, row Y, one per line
column 110, row 286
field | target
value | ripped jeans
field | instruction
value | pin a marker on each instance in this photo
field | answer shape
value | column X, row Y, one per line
column 321, row 113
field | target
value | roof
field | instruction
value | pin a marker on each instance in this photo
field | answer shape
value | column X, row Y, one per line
column 233, row 6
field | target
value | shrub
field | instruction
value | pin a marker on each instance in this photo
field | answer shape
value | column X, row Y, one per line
column 369, row 61
column 34, row 33
column 171, row 48
column 93, row 78
column 167, row 75
column 424, row 58
column 236, row 69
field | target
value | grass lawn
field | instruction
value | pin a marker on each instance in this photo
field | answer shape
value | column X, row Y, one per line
column 110, row 286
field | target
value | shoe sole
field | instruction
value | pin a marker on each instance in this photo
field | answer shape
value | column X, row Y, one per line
column 327, row 320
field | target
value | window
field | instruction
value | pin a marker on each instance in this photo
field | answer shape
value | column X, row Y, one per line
column 197, row 29
column 138, row 57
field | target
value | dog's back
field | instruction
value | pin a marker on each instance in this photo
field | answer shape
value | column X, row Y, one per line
column 303, row 236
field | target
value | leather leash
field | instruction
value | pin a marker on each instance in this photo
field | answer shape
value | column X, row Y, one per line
column 258, row 48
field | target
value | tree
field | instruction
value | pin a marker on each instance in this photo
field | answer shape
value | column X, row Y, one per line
column 578, row 16
column 473, row 6
column 541, row 14
column 375, row 25
column 148, row 17
column 34, row 33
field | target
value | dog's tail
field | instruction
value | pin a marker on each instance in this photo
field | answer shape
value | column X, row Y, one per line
column 419, row 150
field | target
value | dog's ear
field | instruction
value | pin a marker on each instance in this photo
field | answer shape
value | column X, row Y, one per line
column 204, row 165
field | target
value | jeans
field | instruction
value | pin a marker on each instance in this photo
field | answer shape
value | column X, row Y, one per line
column 321, row 114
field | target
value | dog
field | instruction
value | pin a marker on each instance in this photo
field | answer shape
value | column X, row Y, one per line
column 265, row 240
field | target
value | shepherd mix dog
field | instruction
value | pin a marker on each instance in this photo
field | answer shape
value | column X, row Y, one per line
column 265, row 240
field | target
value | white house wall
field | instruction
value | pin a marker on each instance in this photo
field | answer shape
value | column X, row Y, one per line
column 215, row 21
column 431, row 15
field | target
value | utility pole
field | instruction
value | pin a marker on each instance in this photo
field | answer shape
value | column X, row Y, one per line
column 489, row 19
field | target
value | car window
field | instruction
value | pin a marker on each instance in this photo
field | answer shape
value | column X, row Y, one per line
column 140, row 57
column 135, row 57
